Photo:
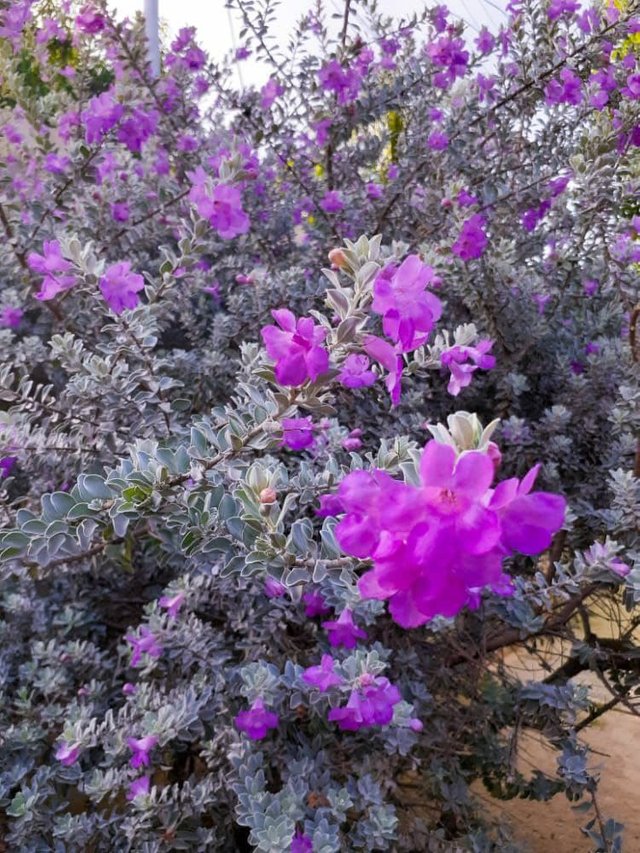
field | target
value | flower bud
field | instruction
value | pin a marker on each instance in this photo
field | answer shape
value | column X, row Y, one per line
column 337, row 258
column 268, row 496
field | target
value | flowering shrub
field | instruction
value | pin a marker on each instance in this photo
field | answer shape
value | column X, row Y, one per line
column 257, row 562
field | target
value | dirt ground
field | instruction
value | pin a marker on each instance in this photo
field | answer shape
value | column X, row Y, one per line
column 554, row 827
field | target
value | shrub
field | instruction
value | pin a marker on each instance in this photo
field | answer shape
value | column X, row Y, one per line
column 256, row 568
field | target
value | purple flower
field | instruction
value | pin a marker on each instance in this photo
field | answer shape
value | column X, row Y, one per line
column 298, row 433
column 273, row 588
column 144, row 643
column 129, row 689
column 257, row 721
column 565, row 90
column 53, row 266
column 102, row 113
column 89, row 21
column 323, row 677
column 120, row 211
column 437, row 140
column 68, row 753
column 374, row 191
column 55, row 164
column 10, row 317
column 141, row 749
column 353, row 441
column 137, row 129
column 172, row 604
column 332, row 202
column 355, row 372
column 301, row 843
column 222, row 206
column 435, row 546
column 315, row 604
column 385, row 354
column 139, row 787
column 560, row 8
column 485, row 41
column 371, row 705
column 528, row 521
column 269, row 92
column 6, row 465
column 120, row 286
column 345, row 82
column 343, row 631
column 457, row 359
column 408, row 309
column 296, row 348
column 472, row 240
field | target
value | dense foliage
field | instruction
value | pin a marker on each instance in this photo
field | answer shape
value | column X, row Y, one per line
column 256, row 570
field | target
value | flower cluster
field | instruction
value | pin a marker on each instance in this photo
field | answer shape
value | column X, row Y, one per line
column 436, row 545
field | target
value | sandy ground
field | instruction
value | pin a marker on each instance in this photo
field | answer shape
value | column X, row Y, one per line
column 554, row 827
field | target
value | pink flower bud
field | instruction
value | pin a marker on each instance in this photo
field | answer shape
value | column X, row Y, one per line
column 268, row 496
column 338, row 259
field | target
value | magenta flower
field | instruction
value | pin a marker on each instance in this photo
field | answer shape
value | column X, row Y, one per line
column 323, row 677
column 301, row 843
column 273, row 588
column 355, row 372
column 257, row 721
column 435, row 546
column 296, row 348
column 269, row 92
column 382, row 352
column 145, row 643
column 141, row 749
column 68, row 753
column 332, row 202
column 172, row 604
column 565, row 90
column 139, row 787
column 129, row 689
column 457, row 359
column 120, row 211
column 472, row 240
column 374, row 191
column 222, row 206
column 343, row 631
column 528, row 520
column 89, row 21
column 409, row 311
column 345, row 82
column 437, row 140
column 10, row 317
column 353, row 441
column 371, row 705
column 315, row 603
column 120, row 287
column 102, row 113
column 137, row 129
column 6, row 465
column 561, row 8
column 298, row 433
column 53, row 266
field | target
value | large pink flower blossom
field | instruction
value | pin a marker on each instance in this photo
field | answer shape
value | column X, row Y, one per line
column 409, row 311
column 434, row 546
column 295, row 346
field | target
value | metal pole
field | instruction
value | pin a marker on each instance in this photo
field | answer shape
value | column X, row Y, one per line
column 151, row 24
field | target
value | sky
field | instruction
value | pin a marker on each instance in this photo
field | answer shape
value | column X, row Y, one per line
column 217, row 27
